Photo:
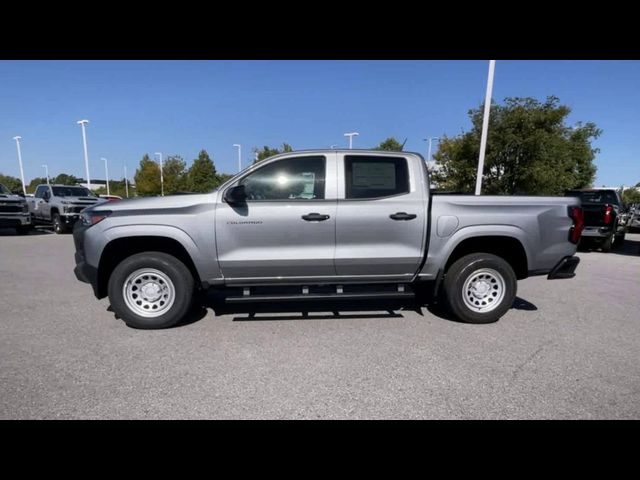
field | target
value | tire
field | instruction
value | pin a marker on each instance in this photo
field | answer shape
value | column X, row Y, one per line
column 58, row 226
column 150, row 281
column 620, row 240
column 609, row 243
column 23, row 229
column 473, row 282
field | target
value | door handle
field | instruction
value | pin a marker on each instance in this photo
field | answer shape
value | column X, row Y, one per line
column 315, row 217
column 403, row 216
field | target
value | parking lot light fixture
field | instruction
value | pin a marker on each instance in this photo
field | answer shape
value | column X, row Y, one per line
column 83, row 124
column 17, row 139
column 106, row 173
column 46, row 172
column 159, row 154
column 239, row 147
column 351, row 135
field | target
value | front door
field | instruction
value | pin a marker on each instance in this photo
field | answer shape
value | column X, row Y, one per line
column 286, row 227
column 382, row 209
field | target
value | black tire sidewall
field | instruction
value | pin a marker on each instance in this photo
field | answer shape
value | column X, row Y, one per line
column 458, row 274
column 180, row 276
column 56, row 219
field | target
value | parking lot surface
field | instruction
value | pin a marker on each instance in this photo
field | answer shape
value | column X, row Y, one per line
column 568, row 349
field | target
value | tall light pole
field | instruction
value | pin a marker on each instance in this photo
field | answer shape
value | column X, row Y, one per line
column 106, row 173
column 17, row 139
column 46, row 172
column 485, row 125
column 351, row 135
column 82, row 123
column 239, row 147
column 430, row 139
column 126, row 182
column 161, row 177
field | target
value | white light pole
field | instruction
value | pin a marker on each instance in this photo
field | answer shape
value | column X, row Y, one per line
column 430, row 139
column 161, row 177
column 106, row 173
column 82, row 123
column 351, row 135
column 126, row 182
column 46, row 172
column 239, row 147
column 485, row 125
column 17, row 139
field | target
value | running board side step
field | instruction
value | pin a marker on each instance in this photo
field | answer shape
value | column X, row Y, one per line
column 320, row 296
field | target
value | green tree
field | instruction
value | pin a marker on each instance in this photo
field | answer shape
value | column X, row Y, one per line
column 33, row 184
column 267, row 152
column 631, row 195
column 65, row 179
column 223, row 177
column 116, row 187
column 147, row 177
column 391, row 145
column 174, row 172
column 530, row 150
column 201, row 176
column 12, row 183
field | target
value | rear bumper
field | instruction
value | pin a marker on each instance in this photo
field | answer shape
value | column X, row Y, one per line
column 565, row 268
column 597, row 232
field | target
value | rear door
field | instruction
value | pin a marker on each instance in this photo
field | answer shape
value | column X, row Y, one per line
column 382, row 210
column 286, row 229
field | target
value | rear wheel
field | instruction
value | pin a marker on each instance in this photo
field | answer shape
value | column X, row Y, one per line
column 609, row 243
column 151, row 290
column 480, row 288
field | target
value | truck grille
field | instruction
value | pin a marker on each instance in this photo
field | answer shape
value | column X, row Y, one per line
column 10, row 208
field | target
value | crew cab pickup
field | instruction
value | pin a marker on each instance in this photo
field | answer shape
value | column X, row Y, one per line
column 323, row 224
column 60, row 205
column 606, row 218
column 14, row 211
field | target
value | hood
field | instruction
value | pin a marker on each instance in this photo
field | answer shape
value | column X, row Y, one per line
column 155, row 203
column 11, row 198
column 83, row 200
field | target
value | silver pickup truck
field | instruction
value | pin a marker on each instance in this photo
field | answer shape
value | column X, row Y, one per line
column 324, row 224
column 60, row 205
column 14, row 211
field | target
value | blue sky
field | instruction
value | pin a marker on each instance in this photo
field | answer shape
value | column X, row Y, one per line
column 180, row 107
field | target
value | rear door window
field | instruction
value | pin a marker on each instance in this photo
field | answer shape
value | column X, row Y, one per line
column 369, row 177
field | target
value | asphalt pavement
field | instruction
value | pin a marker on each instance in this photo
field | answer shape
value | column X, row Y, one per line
column 568, row 349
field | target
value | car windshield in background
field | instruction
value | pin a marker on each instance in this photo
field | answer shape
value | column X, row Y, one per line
column 596, row 197
column 4, row 190
column 71, row 192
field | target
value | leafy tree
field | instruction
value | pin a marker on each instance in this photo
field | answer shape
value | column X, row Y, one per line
column 631, row 195
column 116, row 187
column 201, row 176
column 147, row 177
column 33, row 184
column 267, row 152
column 530, row 150
column 391, row 145
column 223, row 177
column 174, row 172
column 638, row 185
column 65, row 179
column 12, row 183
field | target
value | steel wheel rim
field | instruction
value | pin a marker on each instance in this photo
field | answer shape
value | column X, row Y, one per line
column 149, row 292
column 484, row 290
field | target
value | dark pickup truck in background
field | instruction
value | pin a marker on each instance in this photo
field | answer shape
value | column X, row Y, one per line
column 605, row 217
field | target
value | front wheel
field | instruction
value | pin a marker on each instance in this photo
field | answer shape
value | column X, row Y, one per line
column 151, row 290
column 58, row 226
column 480, row 288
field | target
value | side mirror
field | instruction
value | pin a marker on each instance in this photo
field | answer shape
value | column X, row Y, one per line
column 235, row 194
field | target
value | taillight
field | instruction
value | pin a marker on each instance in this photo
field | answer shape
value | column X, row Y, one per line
column 608, row 214
column 577, row 216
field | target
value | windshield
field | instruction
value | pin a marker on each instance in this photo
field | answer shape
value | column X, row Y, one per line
column 72, row 192
column 4, row 190
column 603, row 196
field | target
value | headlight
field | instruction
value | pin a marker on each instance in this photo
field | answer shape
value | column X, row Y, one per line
column 93, row 216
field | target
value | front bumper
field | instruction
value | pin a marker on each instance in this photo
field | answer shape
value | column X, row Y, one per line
column 565, row 268
column 86, row 273
column 15, row 220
